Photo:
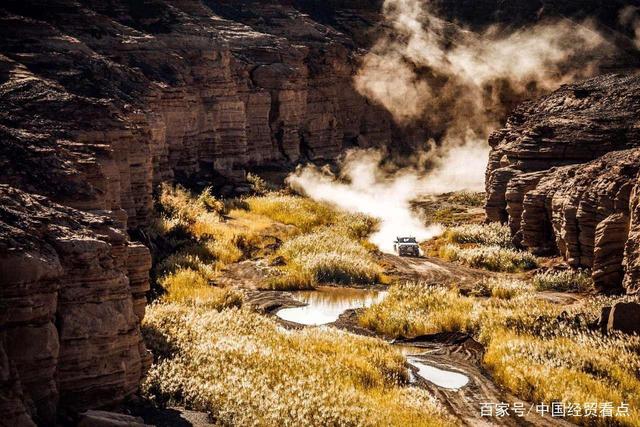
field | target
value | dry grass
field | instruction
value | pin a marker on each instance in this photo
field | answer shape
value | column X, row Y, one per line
column 327, row 256
column 492, row 258
column 243, row 367
column 191, row 287
column 486, row 246
column 532, row 348
column 501, row 288
column 246, row 370
column 303, row 213
column 467, row 198
column 411, row 309
column 182, row 205
column 493, row 234
column 321, row 244
column 565, row 281
column 330, row 246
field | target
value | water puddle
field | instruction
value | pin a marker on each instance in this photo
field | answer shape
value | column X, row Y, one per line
column 440, row 377
column 326, row 304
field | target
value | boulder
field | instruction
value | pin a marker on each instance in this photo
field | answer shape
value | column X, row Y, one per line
column 625, row 317
column 94, row 418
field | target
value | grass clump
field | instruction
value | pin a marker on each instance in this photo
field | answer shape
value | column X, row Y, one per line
column 540, row 351
column 493, row 234
column 328, row 256
column 564, row 280
column 246, row 370
column 467, row 198
column 486, row 246
column 183, row 206
column 413, row 308
column 187, row 286
column 493, row 258
column 258, row 185
column 502, row 288
column 303, row 213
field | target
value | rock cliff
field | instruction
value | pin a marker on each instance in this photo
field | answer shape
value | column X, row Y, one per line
column 116, row 96
column 72, row 295
column 564, row 175
column 99, row 102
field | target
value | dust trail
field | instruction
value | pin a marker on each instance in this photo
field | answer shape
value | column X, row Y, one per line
column 427, row 68
column 457, row 84
column 363, row 186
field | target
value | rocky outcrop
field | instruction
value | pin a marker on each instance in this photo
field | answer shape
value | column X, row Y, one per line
column 70, row 289
column 625, row 317
column 564, row 174
column 114, row 97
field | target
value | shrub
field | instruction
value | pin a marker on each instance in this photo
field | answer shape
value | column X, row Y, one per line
column 179, row 203
column 565, row 280
column 246, row 370
column 258, row 185
column 493, row 234
column 493, row 258
column 193, row 287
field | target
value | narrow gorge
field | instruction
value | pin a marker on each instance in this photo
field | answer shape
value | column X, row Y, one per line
column 203, row 161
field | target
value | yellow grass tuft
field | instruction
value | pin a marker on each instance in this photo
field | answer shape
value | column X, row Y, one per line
column 192, row 287
column 564, row 281
column 493, row 258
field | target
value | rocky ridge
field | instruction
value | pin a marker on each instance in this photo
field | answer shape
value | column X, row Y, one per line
column 564, row 175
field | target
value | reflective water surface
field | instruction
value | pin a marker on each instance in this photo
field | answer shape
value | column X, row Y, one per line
column 440, row 377
column 326, row 304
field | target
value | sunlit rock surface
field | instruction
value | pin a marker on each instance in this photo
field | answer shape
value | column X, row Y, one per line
column 564, row 174
column 71, row 286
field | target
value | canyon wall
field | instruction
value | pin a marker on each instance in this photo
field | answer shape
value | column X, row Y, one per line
column 72, row 294
column 564, row 174
column 117, row 96
column 100, row 101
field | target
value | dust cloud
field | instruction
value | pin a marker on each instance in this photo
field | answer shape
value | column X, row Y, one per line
column 427, row 68
column 457, row 84
column 363, row 187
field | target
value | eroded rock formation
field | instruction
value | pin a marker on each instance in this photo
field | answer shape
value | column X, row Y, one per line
column 564, row 174
column 99, row 102
column 72, row 288
column 117, row 96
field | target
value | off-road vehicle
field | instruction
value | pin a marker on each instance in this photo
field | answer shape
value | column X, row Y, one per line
column 406, row 246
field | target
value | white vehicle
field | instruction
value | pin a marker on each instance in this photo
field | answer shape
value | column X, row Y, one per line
column 406, row 246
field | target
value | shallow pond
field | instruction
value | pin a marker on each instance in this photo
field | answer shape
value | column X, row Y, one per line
column 325, row 304
column 442, row 378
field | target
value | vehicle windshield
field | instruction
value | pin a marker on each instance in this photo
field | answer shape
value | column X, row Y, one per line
column 407, row 240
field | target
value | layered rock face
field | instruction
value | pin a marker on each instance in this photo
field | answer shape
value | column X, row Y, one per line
column 564, row 175
column 101, row 101
column 73, row 290
column 116, row 96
